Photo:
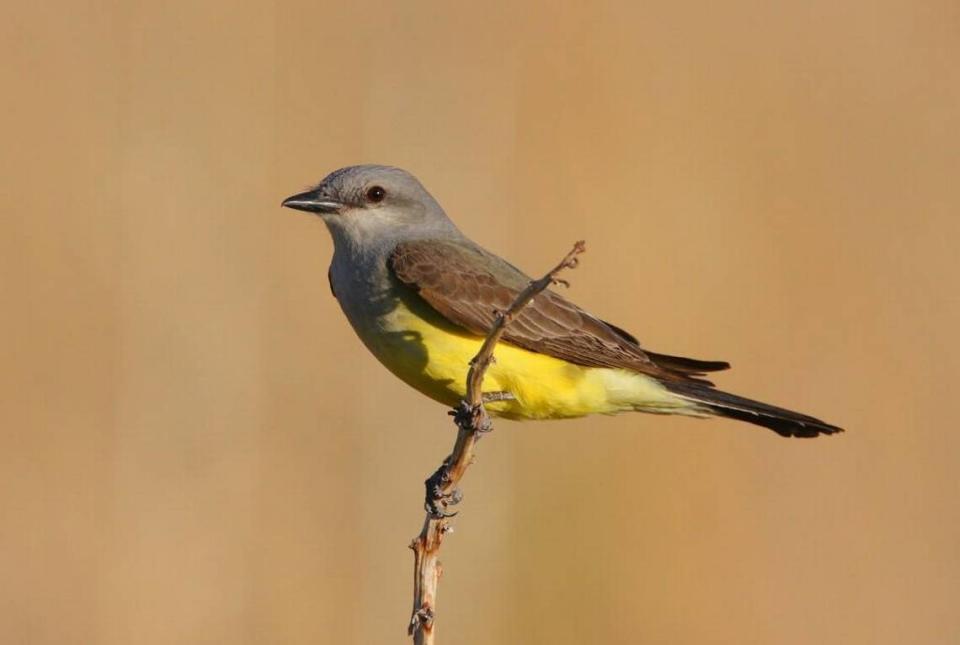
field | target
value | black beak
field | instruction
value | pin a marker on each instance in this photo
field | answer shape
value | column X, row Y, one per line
column 312, row 202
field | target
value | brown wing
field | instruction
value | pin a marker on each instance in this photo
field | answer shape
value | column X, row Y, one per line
column 468, row 286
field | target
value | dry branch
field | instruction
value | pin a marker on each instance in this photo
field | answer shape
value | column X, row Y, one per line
column 472, row 421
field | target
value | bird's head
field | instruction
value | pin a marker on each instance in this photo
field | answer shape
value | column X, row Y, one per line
column 363, row 205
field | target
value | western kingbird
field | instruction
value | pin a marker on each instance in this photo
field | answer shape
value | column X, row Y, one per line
column 422, row 297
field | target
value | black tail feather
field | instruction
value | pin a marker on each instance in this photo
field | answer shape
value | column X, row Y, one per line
column 785, row 423
column 683, row 365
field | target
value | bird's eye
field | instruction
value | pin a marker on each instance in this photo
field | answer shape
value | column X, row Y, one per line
column 376, row 194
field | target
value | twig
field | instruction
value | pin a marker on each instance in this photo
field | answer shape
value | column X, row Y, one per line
column 442, row 492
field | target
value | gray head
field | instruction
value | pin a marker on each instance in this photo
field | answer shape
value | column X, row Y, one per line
column 374, row 205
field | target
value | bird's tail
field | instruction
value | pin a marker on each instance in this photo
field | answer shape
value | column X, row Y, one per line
column 785, row 423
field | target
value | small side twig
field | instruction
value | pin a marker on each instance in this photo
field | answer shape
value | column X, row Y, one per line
column 472, row 421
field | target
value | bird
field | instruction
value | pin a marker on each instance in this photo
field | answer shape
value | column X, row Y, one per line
column 422, row 296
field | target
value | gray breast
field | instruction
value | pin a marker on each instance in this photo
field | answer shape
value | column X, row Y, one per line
column 365, row 290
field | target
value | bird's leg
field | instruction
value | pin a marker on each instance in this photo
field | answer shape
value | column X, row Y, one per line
column 493, row 397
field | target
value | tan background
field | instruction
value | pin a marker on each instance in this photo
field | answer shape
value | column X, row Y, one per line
column 196, row 449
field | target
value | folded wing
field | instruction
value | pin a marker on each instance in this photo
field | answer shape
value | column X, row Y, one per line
column 469, row 286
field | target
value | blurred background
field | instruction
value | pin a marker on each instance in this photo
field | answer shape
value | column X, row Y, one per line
column 196, row 448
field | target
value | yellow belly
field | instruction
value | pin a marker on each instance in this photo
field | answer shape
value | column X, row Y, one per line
column 423, row 349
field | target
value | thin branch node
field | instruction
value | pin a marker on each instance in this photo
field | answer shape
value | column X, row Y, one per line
column 423, row 617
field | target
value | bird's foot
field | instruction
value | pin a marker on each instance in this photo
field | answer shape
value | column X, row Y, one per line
column 437, row 501
column 473, row 417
